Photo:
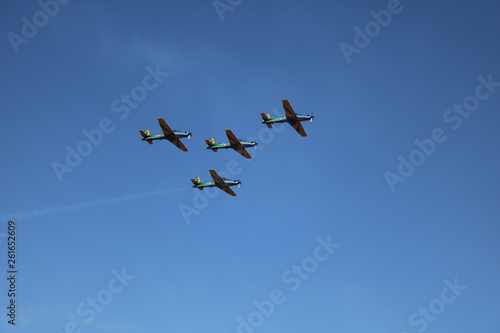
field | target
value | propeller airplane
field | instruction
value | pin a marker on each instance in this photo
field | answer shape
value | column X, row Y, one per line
column 222, row 183
column 168, row 134
column 237, row 144
column 291, row 117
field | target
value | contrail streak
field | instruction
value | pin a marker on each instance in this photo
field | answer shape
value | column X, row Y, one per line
column 87, row 204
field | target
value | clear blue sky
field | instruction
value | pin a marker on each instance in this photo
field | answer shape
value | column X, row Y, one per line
column 334, row 232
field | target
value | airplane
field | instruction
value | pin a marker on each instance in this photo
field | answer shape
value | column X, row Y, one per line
column 237, row 144
column 291, row 117
column 222, row 183
column 168, row 134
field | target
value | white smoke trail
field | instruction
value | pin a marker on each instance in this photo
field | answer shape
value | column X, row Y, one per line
column 87, row 204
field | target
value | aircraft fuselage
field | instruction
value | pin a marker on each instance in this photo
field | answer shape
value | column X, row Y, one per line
column 178, row 134
column 227, row 145
column 300, row 117
column 228, row 182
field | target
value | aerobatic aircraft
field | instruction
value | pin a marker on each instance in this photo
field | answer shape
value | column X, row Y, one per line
column 290, row 117
column 168, row 134
column 237, row 144
column 222, row 183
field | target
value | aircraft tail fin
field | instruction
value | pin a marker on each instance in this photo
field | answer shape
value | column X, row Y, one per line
column 265, row 118
column 197, row 181
column 210, row 142
column 145, row 134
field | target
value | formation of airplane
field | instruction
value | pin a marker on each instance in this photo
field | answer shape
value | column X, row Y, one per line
column 291, row 117
column 168, row 134
column 218, row 181
column 239, row 145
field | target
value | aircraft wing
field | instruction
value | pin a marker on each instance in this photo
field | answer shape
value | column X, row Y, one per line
column 217, row 179
column 170, row 136
column 232, row 138
column 177, row 142
column 228, row 190
column 289, row 113
column 220, row 183
column 235, row 142
column 165, row 128
column 243, row 152
column 291, row 116
column 298, row 127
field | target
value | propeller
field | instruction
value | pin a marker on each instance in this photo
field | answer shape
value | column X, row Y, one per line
column 239, row 183
column 312, row 118
column 190, row 135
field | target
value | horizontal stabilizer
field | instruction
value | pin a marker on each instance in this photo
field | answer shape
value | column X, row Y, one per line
column 265, row 118
column 145, row 135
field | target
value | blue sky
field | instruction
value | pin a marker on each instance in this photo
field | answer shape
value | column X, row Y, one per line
column 383, row 219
